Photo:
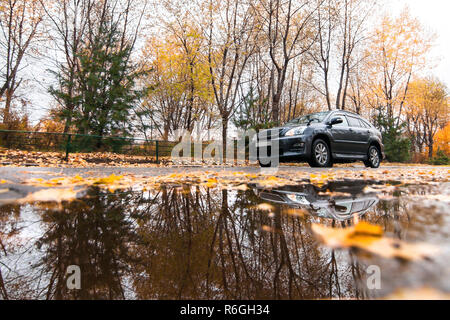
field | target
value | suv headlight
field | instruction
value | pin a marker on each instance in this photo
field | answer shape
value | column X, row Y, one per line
column 295, row 132
column 298, row 199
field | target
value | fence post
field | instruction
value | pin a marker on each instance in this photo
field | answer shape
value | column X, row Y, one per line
column 69, row 138
column 157, row 151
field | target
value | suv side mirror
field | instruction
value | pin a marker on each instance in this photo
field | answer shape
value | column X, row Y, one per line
column 335, row 121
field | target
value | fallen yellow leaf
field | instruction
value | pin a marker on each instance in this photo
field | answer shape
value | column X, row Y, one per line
column 268, row 229
column 296, row 212
column 108, row 180
column 51, row 195
column 367, row 229
column 418, row 294
column 368, row 237
column 265, row 207
column 242, row 187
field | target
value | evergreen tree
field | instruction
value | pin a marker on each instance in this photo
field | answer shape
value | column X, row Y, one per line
column 397, row 146
column 251, row 115
column 105, row 86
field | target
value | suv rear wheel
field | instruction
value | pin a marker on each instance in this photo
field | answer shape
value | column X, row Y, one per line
column 321, row 155
column 264, row 165
column 373, row 158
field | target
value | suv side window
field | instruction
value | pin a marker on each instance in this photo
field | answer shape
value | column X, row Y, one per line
column 353, row 122
column 344, row 121
column 365, row 124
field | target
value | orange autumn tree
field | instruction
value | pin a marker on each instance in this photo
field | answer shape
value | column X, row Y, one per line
column 179, row 94
column 397, row 52
column 427, row 112
column 442, row 140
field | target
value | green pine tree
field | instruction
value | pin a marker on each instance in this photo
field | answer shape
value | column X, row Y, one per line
column 103, row 90
column 397, row 146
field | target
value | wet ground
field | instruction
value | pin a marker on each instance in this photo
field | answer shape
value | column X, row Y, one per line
column 194, row 242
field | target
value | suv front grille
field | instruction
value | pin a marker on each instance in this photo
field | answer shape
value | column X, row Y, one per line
column 270, row 134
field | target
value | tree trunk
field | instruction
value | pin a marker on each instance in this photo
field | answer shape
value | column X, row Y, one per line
column 327, row 91
column 430, row 147
column 276, row 108
column 7, row 110
column 344, row 93
column 224, row 137
column 277, row 96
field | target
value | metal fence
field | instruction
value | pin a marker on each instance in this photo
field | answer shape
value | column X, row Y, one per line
column 66, row 143
column 79, row 143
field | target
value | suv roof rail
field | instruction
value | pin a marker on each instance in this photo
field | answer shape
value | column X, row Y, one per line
column 348, row 112
column 354, row 113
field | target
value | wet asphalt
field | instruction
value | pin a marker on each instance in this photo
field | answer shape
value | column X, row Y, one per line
column 20, row 174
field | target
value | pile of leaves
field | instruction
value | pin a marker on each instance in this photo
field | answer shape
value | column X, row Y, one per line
column 55, row 159
column 21, row 158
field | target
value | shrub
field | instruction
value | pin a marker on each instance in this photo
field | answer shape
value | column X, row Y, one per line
column 440, row 159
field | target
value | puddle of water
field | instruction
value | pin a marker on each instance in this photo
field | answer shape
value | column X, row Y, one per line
column 191, row 242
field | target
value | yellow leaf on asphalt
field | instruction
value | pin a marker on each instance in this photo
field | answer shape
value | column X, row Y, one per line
column 108, row 180
column 77, row 178
column 211, row 183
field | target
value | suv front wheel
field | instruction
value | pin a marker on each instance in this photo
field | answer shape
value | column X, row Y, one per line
column 320, row 155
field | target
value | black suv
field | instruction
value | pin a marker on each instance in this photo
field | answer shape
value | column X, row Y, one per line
column 322, row 139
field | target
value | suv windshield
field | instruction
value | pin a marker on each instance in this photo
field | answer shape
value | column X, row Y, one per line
column 315, row 117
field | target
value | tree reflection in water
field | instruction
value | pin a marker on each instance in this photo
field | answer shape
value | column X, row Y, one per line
column 177, row 243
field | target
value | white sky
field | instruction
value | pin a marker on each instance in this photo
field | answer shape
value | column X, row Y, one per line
column 434, row 15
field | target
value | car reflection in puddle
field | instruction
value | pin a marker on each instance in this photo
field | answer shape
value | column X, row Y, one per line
column 339, row 201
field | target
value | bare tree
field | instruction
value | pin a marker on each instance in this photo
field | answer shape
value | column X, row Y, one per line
column 290, row 34
column 352, row 21
column 326, row 25
column 20, row 23
column 341, row 33
column 231, row 42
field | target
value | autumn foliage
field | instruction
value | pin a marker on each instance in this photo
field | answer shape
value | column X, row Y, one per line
column 442, row 139
column 138, row 68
